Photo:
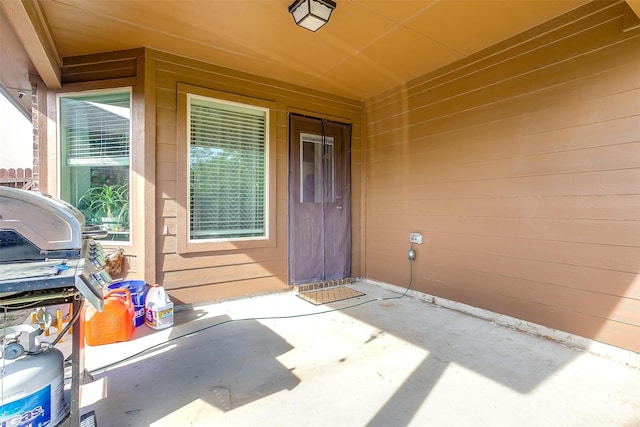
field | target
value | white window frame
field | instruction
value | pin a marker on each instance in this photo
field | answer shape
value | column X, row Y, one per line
column 58, row 168
column 185, row 244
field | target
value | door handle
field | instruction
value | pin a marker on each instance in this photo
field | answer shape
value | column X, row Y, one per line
column 339, row 207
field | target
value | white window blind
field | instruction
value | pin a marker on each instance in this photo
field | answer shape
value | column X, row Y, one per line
column 227, row 159
column 96, row 129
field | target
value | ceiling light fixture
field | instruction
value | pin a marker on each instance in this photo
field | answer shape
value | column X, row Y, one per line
column 311, row 14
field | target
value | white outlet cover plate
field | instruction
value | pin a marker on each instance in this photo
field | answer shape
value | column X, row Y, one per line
column 415, row 238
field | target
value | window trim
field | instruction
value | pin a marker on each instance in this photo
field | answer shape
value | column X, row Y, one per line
column 59, row 159
column 184, row 244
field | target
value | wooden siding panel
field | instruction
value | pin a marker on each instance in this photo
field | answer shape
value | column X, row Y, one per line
column 559, row 279
column 222, row 274
column 601, row 183
column 596, row 134
column 166, row 189
column 608, row 207
column 167, row 244
column 522, row 172
column 503, row 140
column 610, row 258
column 603, row 306
column 618, row 233
column 100, row 71
column 210, row 293
column 166, row 117
column 165, row 170
column 166, row 152
column 175, row 263
column 445, row 165
column 167, row 208
column 166, row 98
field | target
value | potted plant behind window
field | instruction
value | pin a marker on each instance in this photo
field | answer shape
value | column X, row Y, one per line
column 107, row 205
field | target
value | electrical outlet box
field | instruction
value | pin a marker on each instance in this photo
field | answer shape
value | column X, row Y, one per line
column 415, row 238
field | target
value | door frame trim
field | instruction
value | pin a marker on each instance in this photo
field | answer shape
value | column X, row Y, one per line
column 316, row 115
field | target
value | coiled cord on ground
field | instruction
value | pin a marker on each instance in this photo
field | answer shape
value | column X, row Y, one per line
column 224, row 322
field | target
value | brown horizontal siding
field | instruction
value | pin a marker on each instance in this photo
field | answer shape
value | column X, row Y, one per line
column 174, row 262
column 165, row 152
column 208, row 293
column 522, row 169
column 503, row 276
column 104, row 71
column 473, row 162
column 598, row 183
column 167, row 208
column 600, row 103
column 499, row 151
column 198, row 277
column 615, row 258
column 606, row 257
column 224, row 274
column 603, row 232
column 607, row 207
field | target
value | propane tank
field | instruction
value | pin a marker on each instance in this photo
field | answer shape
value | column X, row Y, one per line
column 32, row 382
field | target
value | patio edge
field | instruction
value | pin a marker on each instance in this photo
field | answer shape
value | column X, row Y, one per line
column 617, row 354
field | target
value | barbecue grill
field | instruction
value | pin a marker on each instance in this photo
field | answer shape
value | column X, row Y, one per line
column 48, row 256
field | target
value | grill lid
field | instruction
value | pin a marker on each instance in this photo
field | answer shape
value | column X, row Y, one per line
column 49, row 224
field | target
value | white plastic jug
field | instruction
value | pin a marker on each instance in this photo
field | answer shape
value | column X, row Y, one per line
column 158, row 308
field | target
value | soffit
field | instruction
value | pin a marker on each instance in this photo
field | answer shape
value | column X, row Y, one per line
column 367, row 47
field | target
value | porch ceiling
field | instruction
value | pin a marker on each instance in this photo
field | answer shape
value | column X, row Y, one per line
column 367, row 47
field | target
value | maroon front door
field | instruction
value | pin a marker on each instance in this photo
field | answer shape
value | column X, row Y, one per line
column 319, row 199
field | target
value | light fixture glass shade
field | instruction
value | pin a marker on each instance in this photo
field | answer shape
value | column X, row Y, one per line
column 311, row 14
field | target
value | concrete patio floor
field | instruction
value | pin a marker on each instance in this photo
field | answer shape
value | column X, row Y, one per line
column 384, row 362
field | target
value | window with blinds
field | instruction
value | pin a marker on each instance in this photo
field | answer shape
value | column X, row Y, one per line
column 227, row 168
column 96, row 129
column 95, row 134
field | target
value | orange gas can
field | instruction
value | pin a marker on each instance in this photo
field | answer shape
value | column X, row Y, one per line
column 115, row 323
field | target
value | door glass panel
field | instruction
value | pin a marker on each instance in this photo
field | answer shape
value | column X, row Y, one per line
column 317, row 167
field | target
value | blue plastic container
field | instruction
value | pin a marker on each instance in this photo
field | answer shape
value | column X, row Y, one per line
column 137, row 289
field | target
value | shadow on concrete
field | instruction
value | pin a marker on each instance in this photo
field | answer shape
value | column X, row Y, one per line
column 385, row 361
column 226, row 367
column 515, row 360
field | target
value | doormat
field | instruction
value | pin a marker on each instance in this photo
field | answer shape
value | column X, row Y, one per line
column 326, row 296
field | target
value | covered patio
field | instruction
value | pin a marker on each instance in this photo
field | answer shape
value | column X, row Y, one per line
column 382, row 359
column 506, row 133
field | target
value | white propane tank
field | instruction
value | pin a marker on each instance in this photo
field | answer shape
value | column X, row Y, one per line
column 158, row 308
column 33, row 390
